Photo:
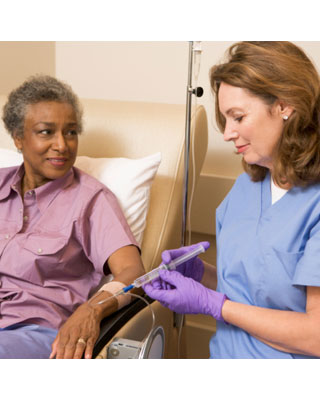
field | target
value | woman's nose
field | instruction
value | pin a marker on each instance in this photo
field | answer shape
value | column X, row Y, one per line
column 230, row 133
column 60, row 142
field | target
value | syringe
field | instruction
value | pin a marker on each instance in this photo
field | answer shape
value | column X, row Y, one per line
column 149, row 276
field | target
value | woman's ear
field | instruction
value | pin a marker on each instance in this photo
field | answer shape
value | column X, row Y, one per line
column 285, row 110
column 17, row 141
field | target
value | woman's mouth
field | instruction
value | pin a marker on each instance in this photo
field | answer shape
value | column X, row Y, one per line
column 57, row 162
column 241, row 149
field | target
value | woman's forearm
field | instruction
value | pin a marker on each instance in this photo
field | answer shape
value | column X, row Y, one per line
column 125, row 265
column 209, row 278
column 288, row 331
column 109, row 304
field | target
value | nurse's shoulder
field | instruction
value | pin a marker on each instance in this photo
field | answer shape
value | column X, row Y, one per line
column 240, row 193
column 244, row 186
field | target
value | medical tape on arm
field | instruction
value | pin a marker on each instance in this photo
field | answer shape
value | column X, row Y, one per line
column 114, row 287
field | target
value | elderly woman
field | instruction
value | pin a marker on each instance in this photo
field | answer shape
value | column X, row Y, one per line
column 61, row 231
column 265, row 292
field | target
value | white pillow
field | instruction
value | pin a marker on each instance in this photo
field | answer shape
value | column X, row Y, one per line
column 129, row 179
column 10, row 158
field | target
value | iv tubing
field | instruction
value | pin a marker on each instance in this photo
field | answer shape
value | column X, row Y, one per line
column 145, row 339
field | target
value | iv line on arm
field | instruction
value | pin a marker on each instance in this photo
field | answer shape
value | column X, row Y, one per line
column 150, row 276
column 153, row 274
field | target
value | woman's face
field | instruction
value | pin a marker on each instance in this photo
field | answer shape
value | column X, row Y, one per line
column 253, row 126
column 49, row 143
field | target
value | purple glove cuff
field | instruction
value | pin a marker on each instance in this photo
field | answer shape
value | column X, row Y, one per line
column 218, row 300
column 186, row 296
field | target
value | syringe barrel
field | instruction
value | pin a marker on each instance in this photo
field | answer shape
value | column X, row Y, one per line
column 187, row 256
column 149, row 276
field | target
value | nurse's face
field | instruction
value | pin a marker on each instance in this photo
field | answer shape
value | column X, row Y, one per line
column 253, row 126
column 49, row 143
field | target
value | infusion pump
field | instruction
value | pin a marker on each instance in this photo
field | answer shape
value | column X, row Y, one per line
column 152, row 347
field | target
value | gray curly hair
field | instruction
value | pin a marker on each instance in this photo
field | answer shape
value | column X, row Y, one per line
column 34, row 90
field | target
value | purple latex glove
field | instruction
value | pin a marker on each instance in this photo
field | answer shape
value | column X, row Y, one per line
column 193, row 268
column 186, row 296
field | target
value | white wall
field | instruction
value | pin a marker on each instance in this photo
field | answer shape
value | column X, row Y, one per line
column 157, row 72
column 138, row 71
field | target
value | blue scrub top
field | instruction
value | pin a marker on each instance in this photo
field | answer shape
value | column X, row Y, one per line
column 267, row 255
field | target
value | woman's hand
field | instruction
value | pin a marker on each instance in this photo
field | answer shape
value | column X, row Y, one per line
column 193, row 268
column 78, row 334
column 186, row 296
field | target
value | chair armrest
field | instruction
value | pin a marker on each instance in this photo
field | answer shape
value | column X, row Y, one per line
column 113, row 323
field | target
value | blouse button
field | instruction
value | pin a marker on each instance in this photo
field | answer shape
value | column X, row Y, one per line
column 7, row 236
column 39, row 250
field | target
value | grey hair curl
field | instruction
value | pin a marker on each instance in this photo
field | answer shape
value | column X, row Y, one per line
column 34, row 90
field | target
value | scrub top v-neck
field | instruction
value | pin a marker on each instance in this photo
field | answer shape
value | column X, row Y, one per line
column 267, row 255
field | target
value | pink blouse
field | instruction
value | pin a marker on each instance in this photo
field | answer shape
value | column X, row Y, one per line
column 54, row 245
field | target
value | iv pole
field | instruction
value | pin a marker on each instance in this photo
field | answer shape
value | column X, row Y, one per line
column 198, row 91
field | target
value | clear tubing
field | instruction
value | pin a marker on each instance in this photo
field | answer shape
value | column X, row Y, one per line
column 149, row 276
column 145, row 339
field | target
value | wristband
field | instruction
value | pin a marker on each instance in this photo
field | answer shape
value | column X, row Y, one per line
column 114, row 287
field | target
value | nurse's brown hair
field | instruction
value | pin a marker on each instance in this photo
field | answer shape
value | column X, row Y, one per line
column 278, row 71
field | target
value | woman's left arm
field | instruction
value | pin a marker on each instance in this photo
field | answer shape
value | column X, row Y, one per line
column 125, row 265
column 288, row 331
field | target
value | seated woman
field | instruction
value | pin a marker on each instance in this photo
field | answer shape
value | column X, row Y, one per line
column 60, row 231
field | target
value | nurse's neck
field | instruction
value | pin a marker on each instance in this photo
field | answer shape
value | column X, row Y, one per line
column 284, row 186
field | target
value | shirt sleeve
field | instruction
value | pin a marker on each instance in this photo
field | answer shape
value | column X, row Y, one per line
column 104, row 229
column 307, row 272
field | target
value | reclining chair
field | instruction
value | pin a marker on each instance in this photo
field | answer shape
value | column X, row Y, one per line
column 135, row 130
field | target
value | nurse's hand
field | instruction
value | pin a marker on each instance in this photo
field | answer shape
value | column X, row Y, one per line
column 193, row 268
column 78, row 334
column 186, row 296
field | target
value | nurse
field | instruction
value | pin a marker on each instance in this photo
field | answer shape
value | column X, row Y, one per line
column 265, row 291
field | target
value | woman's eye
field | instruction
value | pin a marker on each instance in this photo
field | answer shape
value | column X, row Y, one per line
column 72, row 132
column 238, row 119
column 45, row 131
